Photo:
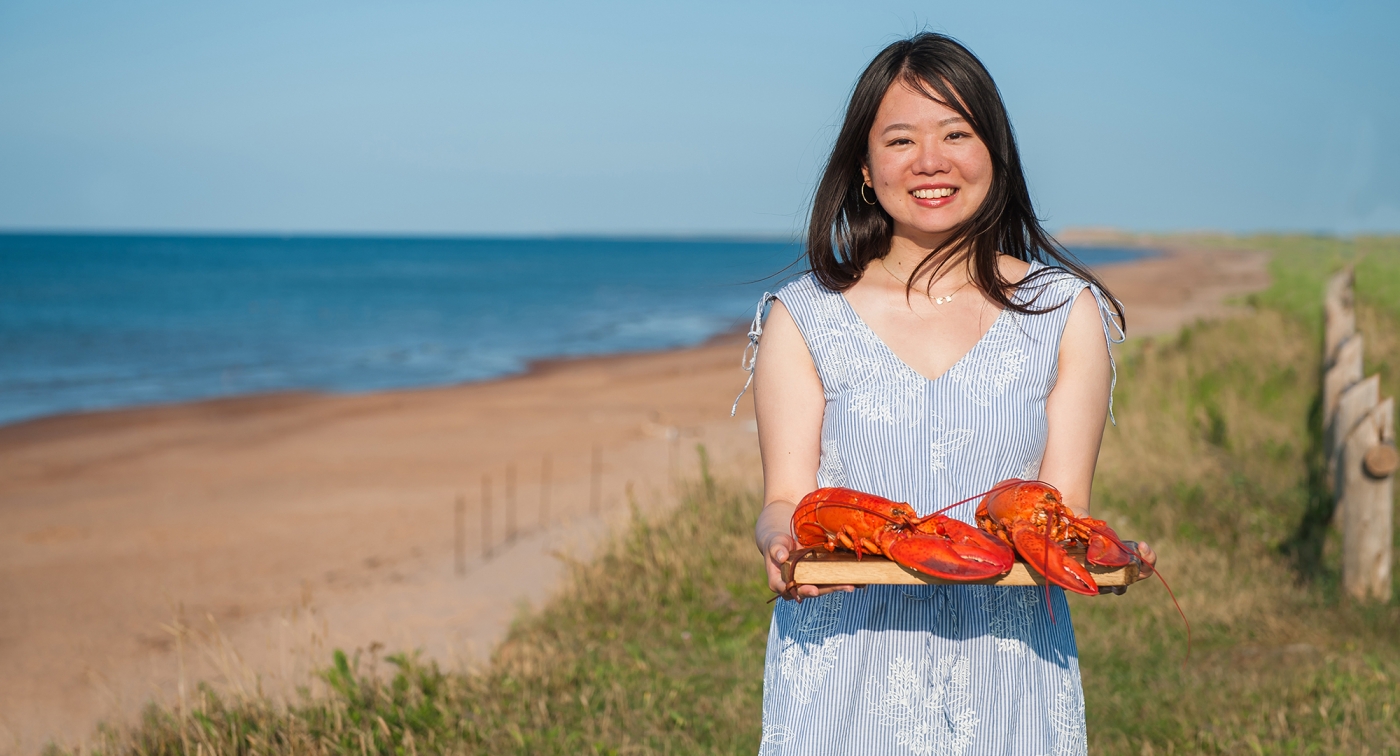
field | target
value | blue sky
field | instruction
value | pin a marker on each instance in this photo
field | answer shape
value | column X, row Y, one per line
column 618, row 118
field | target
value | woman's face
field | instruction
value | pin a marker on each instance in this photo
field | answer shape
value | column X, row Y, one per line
column 929, row 170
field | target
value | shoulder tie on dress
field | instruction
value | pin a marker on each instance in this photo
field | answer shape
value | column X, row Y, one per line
column 750, row 356
column 1110, row 324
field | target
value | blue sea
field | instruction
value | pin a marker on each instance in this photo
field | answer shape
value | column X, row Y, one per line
column 93, row 322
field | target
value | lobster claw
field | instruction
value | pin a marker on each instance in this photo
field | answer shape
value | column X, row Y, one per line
column 958, row 552
column 1050, row 559
column 1105, row 547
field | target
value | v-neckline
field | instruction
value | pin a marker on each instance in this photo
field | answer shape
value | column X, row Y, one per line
column 900, row 360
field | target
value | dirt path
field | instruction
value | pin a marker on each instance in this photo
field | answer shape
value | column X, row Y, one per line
column 243, row 538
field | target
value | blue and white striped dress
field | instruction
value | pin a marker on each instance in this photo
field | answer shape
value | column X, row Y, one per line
column 944, row 670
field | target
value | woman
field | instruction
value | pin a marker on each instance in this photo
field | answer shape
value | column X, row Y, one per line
column 930, row 353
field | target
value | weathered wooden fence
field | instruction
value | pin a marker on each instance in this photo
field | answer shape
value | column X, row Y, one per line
column 1359, row 437
column 504, row 502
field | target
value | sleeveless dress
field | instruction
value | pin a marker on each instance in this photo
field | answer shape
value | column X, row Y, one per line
column 952, row 670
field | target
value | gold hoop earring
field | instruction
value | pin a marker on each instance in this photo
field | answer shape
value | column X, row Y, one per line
column 862, row 195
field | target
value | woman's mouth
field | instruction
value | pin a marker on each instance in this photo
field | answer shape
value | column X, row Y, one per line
column 933, row 194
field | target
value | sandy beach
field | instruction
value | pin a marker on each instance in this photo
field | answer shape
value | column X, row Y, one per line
column 239, row 540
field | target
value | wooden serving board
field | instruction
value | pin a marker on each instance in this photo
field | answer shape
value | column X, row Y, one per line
column 842, row 568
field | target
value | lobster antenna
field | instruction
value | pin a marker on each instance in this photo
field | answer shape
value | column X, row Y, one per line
column 1113, row 537
column 994, row 489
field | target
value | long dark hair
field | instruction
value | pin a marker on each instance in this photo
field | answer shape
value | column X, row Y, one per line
column 845, row 233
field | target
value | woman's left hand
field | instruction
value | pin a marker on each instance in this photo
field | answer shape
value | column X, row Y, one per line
column 1148, row 563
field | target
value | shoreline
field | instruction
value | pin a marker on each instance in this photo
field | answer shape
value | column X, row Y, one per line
column 272, row 399
column 267, row 529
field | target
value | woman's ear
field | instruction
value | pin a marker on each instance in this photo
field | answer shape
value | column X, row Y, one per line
column 865, row 172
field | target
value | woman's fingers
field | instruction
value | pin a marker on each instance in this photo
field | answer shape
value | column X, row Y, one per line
column 812, row 591
column 1149, row 557
column 778, row 550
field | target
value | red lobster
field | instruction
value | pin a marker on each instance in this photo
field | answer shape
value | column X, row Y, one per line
column 840, row 518
column 1030, row 516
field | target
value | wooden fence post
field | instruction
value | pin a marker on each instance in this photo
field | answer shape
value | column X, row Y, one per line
column 1345, row 371
column 459, row 536
column 1339, row 307
column 544, row 492
column 595, row 482
column 486, row 516
column 510, row 503
column 1368, row 489
column 1353, row 405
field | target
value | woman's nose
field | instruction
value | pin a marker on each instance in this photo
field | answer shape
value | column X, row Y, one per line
column 930, row 160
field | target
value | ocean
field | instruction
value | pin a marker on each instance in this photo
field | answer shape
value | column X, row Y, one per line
column 90, row 322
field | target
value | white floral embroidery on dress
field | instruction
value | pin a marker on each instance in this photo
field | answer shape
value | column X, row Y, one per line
column 894, row 399
column 831, row 472
column 1010, row 612
column 809, row 653
column 994, row 363
column 1067, row 717
column 948, row 442
column 883, row 388
column 1032, row 469
column 774, row 735
column 828, row 306
column 931, row 713
column 843, row 365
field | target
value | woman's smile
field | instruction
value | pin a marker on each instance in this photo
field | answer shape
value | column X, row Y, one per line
column 934, row 196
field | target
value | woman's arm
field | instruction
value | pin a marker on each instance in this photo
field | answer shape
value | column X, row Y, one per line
column 1077, row 408
column 789, row 403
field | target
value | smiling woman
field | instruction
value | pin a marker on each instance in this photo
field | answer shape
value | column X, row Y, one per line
column 941, row 344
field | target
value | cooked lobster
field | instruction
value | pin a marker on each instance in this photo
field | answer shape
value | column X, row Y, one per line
column 841, row 518
column 1030, row 516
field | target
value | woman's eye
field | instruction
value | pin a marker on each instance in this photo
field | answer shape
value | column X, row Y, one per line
column 900, row 141
column 959, row 135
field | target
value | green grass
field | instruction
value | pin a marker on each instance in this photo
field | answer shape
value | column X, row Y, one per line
column 657, row 647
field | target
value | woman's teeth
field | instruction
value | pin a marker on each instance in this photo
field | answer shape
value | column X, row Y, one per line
column 946, row 191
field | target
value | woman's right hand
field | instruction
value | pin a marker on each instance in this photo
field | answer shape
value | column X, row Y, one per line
column 777, row 549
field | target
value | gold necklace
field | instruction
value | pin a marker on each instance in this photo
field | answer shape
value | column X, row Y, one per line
column 936, row 300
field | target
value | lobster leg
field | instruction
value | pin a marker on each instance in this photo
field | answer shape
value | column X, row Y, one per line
column 1050, row 559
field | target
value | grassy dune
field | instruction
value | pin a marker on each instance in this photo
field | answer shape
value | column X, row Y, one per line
column 658, row 646
column 1216, row 459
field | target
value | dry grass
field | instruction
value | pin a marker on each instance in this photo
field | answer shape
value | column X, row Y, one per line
column 658, row 646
